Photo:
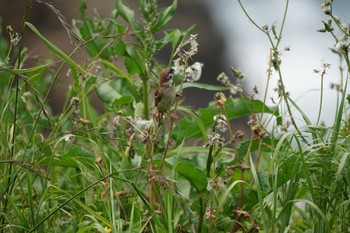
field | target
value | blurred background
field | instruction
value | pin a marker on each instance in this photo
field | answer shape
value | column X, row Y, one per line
column 226, row 38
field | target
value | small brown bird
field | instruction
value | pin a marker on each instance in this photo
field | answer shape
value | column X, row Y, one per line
column 164, row 95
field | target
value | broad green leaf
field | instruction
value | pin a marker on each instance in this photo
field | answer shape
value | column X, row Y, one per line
column 123, row 100
column 193, row 174
column 127, row 87
column 133, row 61
column 192, row 126
column 119, row 48
column 107, row 91
column 245, row 106
column 132, row 66
column 263, row 180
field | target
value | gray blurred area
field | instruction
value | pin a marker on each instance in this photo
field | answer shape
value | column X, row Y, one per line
column 211, row 42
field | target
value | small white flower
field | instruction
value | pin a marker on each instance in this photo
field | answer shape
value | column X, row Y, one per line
column 69, row 73
column 237, row 73
column 220, row 123
column 98, row 69
column 222, row 78
column 15, row 39
column 216, row 139
column 193, row 72
column 69, row 137
column 25, row 96
column 281, row 129
column 143, row 124
column 115, row 121
column 74, row 101
column 235, row 89
column 341, row 47
column 179, row 65
column 194, row 45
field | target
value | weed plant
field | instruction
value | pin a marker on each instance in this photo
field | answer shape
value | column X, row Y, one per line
column 124, row 170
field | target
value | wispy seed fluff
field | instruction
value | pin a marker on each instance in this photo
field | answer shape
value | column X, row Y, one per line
column 193, row 73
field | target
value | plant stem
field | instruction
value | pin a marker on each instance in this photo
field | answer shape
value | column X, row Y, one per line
column 321, row 101
column 145, row 97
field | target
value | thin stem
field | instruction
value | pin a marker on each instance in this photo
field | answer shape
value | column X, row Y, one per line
column 269, row 71
column 283, row 23
column 201, row 214
column 209, row 160
column 250, row 18
column 321, row 101
column 166, row 146
column 145, row 98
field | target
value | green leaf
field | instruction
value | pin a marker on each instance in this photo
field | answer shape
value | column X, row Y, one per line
column 254, row 145
column 127, row 14
column 123, row 100
column 175, row 36
column 132, row 66
column 107, row 91
column 245, row 106
column 204, row 86
column 165, row 16
column 133, row 62
column 193, row 174
column 119, row 48
column 192, row 126
column 95, row 46
column 263, row 177
column 342, row 164
column 337, row 123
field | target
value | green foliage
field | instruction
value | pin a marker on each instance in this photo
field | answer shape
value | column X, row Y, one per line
column 127, row 169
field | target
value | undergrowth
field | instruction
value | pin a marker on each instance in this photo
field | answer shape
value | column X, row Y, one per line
column 129, row 170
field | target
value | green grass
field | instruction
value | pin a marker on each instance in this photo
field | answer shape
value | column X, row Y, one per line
column 120, row 171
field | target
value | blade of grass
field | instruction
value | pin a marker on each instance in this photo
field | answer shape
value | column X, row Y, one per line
column 259, row 192
column 336, row 127
column 56, row 50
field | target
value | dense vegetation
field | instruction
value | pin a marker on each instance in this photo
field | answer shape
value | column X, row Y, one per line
column 128, row 170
